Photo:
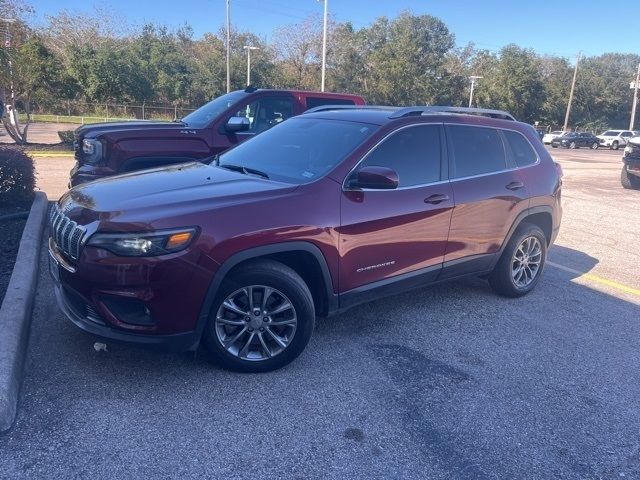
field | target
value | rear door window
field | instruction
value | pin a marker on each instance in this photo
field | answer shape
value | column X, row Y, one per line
column 475, row 150
column 521, row 150
column 413, row 152
column 313, row 102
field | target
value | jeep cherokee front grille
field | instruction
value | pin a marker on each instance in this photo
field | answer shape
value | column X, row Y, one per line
column 66, row 233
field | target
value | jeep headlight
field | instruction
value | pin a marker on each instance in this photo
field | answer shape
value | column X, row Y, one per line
column 92, row 150
column 628, row 149
column 147, row 244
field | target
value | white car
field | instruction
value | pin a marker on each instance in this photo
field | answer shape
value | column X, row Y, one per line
column 615, row 139
column 549, row 137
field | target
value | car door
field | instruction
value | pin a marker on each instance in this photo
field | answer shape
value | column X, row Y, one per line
column 386, row 233
column 489, row 194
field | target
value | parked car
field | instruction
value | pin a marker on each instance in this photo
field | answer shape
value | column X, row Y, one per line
column 325, row 211
column 106, row 149
column 630, row 176
column 549, row 137
column 614, row 139
column 576, row 140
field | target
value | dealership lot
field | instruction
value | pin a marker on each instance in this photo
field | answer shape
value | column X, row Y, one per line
column 450, row 381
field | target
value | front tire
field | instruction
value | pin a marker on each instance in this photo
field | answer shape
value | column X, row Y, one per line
column 573, row 145
column 521, row 263
column 261, row 320
column 594, row 146
column 615, row 145
column 630, row 182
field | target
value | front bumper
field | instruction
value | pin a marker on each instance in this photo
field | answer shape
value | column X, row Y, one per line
column 150, row 301
column 91, row 323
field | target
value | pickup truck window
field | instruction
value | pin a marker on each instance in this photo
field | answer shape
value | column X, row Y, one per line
column 266, row 112
column 313, row 102
column 297, row 151
column 210, row 111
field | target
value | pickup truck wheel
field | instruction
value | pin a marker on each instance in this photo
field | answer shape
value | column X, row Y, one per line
column 261, row 320
column 521, row 264
column 629, row 181
column 615, row 145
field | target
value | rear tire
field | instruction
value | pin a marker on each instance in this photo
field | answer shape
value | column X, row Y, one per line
column 630, row 182
column 266, row 321
column 527, row 248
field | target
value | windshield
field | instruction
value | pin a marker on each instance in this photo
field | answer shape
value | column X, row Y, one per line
column 611, row 133
column 210, row 111
column 299, row 150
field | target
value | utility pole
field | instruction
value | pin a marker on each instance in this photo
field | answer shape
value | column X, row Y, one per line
column 635, row 99
column 573, row 86
column 248, row 49
column 324, row 43
column 473, row 79
column 228, row 48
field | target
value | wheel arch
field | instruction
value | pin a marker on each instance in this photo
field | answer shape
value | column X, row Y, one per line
column 304, row 258
column 541, row 216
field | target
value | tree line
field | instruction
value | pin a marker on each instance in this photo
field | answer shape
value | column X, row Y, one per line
column 408, row 60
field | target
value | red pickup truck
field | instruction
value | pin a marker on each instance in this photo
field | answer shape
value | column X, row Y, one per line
column 106, row 149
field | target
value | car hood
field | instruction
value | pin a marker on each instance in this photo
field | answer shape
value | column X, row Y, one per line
column 94, row 128
column 150, row 195
column 634, row 141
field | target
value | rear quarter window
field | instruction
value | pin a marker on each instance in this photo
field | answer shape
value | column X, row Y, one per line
column 521, row 150
column 475, row 150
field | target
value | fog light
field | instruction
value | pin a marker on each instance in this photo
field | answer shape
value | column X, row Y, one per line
column 129, row 310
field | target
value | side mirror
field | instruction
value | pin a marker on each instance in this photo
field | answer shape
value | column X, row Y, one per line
column 374, row 177
column 237, row 124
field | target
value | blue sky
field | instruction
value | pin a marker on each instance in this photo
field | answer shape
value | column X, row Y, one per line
column 541, row 25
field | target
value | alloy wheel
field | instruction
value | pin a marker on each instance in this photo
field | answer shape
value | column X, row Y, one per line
column 256, row 323
column 525, row 263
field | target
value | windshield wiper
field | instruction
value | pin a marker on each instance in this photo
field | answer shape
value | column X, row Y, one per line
column 245, row 170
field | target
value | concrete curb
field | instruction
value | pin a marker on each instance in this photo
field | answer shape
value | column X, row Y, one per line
column 15, row 311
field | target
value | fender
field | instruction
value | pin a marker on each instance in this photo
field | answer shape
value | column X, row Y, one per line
column 262, row 251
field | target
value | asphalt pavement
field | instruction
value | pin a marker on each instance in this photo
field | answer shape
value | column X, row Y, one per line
column 442, row 382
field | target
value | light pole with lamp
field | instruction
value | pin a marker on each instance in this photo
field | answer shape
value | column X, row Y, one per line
column 473, row 79
column 248, row 48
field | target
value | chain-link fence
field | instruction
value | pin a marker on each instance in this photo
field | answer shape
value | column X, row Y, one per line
column 75, row 112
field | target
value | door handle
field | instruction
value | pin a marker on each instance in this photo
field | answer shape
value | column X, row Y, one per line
column 515, row 186
column 436, row 198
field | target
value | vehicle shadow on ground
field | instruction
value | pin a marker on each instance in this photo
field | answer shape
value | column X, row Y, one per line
column 571, row 260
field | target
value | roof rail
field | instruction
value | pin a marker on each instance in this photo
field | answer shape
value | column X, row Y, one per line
column 326, row 108
column 405, row 112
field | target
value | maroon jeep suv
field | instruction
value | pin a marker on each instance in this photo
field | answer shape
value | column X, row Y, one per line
column 327, row 210
column 106, row 149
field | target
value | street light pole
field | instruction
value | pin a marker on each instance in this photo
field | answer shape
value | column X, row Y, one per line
column 635, row 99
column 228, row 48
column 324, row 43
column 473, row 79
column 248, row 49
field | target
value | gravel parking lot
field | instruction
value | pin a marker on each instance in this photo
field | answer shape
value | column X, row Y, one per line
column 444, row 382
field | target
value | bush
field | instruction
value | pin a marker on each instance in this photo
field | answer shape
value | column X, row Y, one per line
column 17, row 178
column 66, row 136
